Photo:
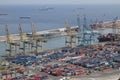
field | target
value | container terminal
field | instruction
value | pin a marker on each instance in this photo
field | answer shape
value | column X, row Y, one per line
column 82, row 58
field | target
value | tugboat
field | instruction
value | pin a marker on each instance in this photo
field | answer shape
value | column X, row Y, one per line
column 105, row 38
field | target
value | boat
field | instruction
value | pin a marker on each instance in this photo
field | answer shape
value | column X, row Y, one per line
column 46, row 9
column 105, row 38
column 3, row 14
column 25, row 17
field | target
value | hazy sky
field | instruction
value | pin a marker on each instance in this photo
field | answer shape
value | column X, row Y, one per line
column 59, row 2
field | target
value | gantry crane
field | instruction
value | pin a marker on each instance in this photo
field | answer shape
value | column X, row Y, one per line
column 24, row 42
column 88, row 35
column 115, row 29
column 38, row 42
column 70, row 36
column 101, row 24
column 10, row 44
column 80, row 32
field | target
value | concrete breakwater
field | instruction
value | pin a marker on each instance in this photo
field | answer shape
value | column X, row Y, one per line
column 47, row 33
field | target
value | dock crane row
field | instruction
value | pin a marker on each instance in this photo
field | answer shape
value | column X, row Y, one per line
column 35, row 43
column 24, row 44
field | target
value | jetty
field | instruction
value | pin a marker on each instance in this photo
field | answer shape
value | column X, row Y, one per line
column 46, row 33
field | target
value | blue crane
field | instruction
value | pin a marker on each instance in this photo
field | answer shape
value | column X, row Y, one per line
column 84, row 33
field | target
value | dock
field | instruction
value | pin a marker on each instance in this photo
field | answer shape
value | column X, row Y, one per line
column 109, row 24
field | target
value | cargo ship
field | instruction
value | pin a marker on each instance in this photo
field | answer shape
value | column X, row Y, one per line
column 105, row 38
column 46, row 9
column 3, row 14
column 25, row 17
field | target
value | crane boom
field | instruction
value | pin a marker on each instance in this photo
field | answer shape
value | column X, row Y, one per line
column 114, row 25
column 33, row 31
column 38, row 42
column 70, row 36
column 20, row 32
column 8, row 39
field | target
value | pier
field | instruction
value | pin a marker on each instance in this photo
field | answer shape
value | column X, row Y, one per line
column 46, row 33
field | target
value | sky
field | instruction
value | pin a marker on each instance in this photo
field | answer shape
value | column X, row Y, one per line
column 2, row 2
